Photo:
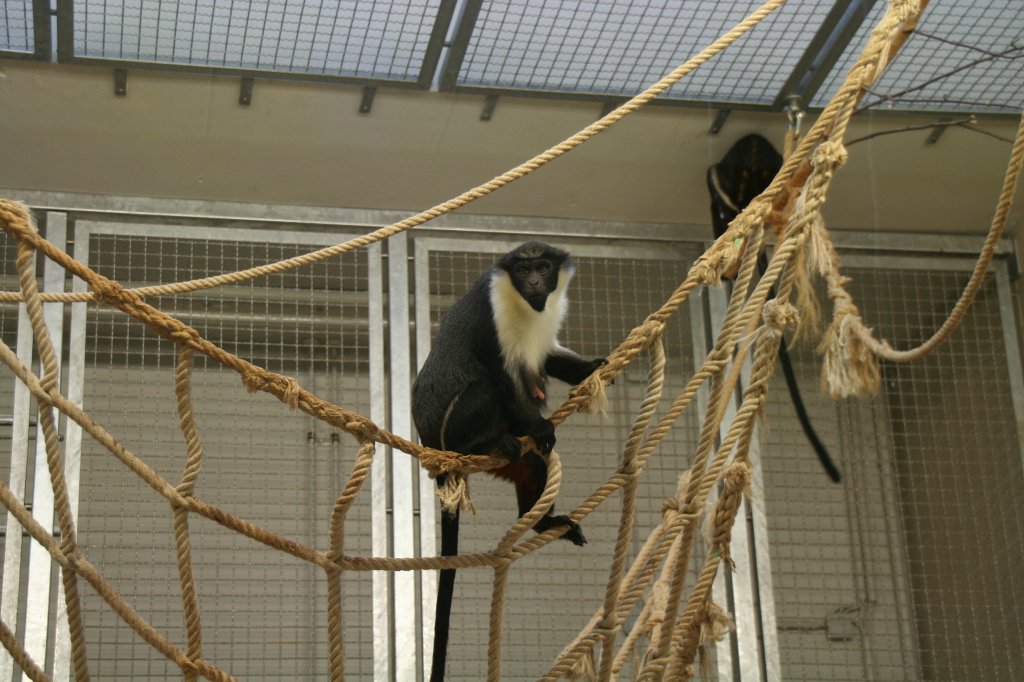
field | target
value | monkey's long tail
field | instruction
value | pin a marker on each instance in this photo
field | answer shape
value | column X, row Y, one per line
column 798, row 402
column 445, row 592
column 801, row 414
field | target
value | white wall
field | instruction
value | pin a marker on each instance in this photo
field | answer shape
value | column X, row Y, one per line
column 186, row 136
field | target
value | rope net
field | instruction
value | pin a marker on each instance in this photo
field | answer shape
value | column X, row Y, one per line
column 673, row 626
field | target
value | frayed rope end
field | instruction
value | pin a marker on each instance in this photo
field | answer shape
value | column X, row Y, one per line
column 454, row 494
column 850, row 368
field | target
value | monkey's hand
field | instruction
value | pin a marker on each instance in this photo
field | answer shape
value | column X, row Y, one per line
column 573, row 535
column 542, row 431
column 510, row 447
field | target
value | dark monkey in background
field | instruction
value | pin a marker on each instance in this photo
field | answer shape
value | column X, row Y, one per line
column 745, row 171
column 484, row 384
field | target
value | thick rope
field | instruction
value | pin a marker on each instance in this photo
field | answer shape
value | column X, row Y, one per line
column 609, row 622
column 54, row 458
column 20, row 656
column 183, row 542
column 361, row 470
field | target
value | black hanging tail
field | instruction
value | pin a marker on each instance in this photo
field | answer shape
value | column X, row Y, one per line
column 445, row 592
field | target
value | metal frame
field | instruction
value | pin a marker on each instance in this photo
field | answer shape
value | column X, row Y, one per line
column 38, row 586
column 35, row 583
column 824, row 50
column 21, row 408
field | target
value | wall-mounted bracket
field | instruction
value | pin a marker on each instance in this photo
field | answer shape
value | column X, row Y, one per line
column 937, row 131
column 366, row 105
column 610, row 106
column 720, row 118
column 245, row 94
column 489, row 105
column 120, row 82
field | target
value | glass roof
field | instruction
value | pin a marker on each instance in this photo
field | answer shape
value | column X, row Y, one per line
column 611, row 47
column 385, row 40
column 949, row 64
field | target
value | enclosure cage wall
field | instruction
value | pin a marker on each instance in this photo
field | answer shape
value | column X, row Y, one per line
column 910, row 569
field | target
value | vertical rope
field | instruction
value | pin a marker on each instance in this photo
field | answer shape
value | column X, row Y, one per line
column 183, row 543
column 335, row 639
column 54, row 459
column 686, row 638
column 497, row 616
column 609, row 622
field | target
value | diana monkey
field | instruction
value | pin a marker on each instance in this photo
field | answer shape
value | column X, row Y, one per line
column 484, row 384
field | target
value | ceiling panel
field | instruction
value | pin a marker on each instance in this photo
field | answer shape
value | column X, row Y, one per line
column 612, row 47
column 953, row 47
column 375, row 40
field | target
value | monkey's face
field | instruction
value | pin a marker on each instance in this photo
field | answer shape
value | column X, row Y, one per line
column 534, row 279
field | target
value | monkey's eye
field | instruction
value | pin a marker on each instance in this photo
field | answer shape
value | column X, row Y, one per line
column 522, row 270
column 543, row 268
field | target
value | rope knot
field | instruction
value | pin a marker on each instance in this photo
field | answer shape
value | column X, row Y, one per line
column 830, row 155
column 904, row 9
column 106, row 291
column 292, row 391
column 253, row 381
column 585, row 667
column 780, row 315
column 850, row 367
column 718, row 531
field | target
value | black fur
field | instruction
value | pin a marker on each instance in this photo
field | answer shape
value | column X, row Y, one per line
column 468, row 399
column 744, row 172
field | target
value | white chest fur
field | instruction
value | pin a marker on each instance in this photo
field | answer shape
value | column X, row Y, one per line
column 526, row 336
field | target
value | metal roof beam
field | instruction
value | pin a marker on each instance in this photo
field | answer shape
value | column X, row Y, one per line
column 824, row 50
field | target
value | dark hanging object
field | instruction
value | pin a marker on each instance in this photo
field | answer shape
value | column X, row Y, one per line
column 745, row 171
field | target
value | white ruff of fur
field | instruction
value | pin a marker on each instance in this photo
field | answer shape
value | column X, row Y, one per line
column 526, row 336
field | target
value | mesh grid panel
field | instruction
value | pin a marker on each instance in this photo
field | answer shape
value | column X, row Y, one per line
column 341, row 38
column 618, row 48
column 553, row 593
column 263, row 612
column 911, row 569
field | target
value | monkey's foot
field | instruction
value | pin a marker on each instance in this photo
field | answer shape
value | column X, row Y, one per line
column 574, row 534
